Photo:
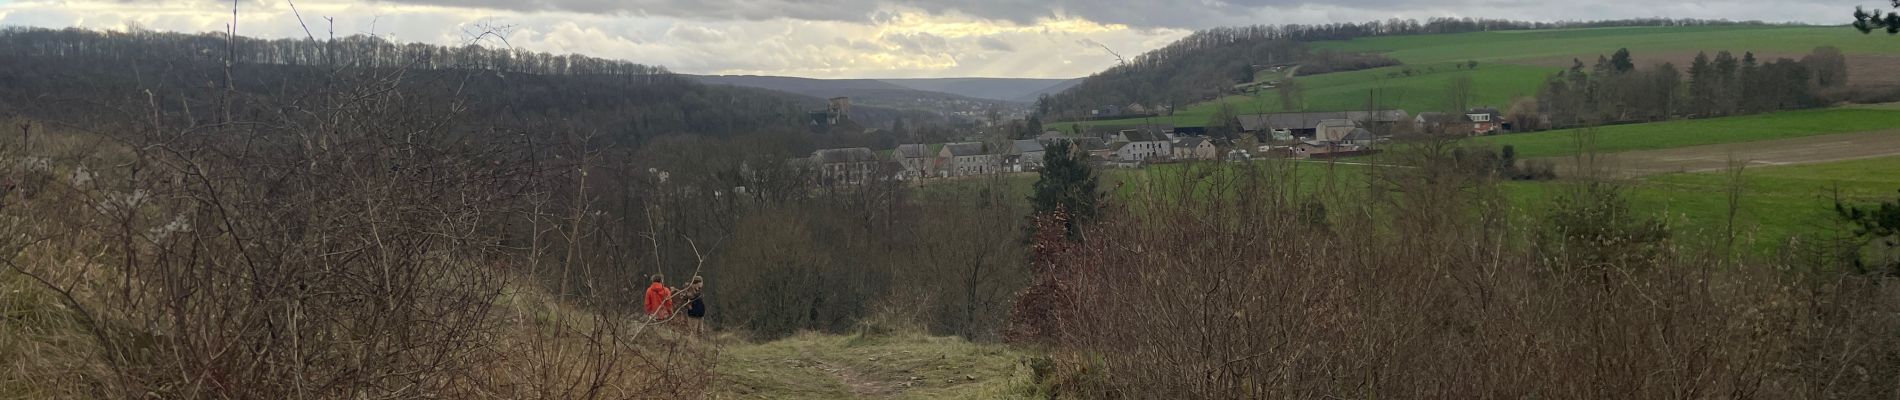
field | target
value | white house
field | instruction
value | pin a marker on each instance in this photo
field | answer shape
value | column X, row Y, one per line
column 1143, row 146
column 968, row 158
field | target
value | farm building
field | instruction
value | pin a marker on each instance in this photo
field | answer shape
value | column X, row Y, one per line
column 846, row 166
column 1334, row 130
column 1194, row 148
column 969, row 158
column 1111, row 132
column 1306, row 124
column 1142, row 146
column 1025, row 155
column 915, row 159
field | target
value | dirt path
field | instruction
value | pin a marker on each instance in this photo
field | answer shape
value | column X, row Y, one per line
column 1807, row 150
column 860, row 385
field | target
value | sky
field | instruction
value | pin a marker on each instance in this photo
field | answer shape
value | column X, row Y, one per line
column 842, row 38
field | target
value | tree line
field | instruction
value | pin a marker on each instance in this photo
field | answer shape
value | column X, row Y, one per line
column 62, row 71
column 1615, row 90
column 362, row 51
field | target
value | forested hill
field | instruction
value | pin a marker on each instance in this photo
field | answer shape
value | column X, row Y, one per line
column 72, row 73
column 1024, row 90
column 1210, row 61
column 872, row 92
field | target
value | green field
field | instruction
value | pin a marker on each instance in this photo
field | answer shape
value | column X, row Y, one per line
column 1507, row 67
column 1492, row 85
column 1681, row 133
column 1777, row 203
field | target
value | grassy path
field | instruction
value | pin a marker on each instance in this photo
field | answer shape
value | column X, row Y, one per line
column 814, row 366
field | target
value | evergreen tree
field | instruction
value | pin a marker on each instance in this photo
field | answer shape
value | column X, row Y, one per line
column 1748, row 84
column 1666, row 82
column 1701, row 80
column 1621, row 63
column 1879, row 222
column 1067, row 184
column 1726, row 95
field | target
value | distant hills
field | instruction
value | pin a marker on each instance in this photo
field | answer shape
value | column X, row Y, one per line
column 965, row 98
column 1008, row 89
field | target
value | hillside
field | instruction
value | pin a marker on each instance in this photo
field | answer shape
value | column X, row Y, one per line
column 1207, row 63
column 59, row 75
column 1515, row 63
column 1007, row 89
column 879, row 93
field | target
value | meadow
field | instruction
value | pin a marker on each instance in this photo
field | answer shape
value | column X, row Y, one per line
column 1775, row 203
column 1492, row 85
column 1695, row 132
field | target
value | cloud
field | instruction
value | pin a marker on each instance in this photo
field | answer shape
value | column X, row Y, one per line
column 994, row 44
column 1160, row 13
column 835, row 38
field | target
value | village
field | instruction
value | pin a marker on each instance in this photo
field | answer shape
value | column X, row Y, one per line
column 1289, row 135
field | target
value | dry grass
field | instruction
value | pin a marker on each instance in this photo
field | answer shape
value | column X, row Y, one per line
column 904, row 366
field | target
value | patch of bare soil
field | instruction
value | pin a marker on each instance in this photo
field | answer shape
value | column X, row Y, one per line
column 1807, row 150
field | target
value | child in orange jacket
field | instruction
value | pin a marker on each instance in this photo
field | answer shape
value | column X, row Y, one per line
column 659, row 299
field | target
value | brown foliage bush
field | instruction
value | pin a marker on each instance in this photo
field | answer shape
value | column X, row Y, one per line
column 1418, row 284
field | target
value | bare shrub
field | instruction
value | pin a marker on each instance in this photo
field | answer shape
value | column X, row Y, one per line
column 1423, row 286
column 338, row 241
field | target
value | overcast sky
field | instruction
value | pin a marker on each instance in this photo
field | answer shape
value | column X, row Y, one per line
column 845, row 38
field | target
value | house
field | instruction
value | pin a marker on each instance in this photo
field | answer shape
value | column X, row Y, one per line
column 1142, row 146
column 968, row 158
column 1432, row 122
column 914, row 161
column 1194, row 148
column 1026, row 155
column 1484, row 121
column 848, row 166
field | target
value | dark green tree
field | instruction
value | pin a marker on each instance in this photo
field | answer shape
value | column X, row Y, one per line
column 1621, row 63
column 1067, row 184
column 1868, row 21
column 1879, row 222
column 1701, row 84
